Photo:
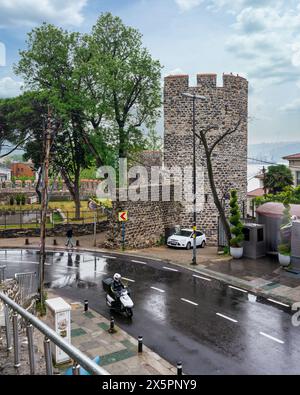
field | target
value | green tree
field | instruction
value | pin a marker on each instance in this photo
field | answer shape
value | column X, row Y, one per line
column 49, row 66
column 125, row 70
column 153, row 141
column 277, row 178
column 235, row 221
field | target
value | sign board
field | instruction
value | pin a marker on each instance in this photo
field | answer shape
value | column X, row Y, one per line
column 123, row 216
column 92, row 205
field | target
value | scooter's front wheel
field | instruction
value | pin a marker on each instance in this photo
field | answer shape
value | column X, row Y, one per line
column 129, row 312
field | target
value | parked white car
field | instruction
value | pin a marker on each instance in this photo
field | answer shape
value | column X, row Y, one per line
column 184, row 239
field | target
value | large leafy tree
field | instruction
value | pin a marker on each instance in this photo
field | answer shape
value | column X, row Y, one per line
column 49, row 66
column 277, row 178
column 130, row 78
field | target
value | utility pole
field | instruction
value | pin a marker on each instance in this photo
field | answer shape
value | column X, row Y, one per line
column 264, row 180
column 44, row 206
column 194, row 97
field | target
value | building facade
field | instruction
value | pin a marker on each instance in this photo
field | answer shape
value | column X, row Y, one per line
column 223, row 106
column 22, row 170
column 294, row 165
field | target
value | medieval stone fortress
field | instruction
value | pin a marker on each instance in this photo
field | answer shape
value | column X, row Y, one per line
column 223, row 107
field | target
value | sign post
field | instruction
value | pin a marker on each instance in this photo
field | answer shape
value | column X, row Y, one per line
column 123, row 218
column 93, row 206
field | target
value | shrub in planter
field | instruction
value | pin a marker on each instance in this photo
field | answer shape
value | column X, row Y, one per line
column 236, row 247
column 18, row 199
column 11, row 201
column 23, row 200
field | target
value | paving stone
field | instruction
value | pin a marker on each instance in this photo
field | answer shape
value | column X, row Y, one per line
column 77, row 332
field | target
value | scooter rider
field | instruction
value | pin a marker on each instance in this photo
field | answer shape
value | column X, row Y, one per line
column 117, row 285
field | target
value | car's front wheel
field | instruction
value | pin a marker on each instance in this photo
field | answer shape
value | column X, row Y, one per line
column 188, row 246
column 203, row 244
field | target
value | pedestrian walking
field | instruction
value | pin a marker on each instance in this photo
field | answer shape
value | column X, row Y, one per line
column 69, row 238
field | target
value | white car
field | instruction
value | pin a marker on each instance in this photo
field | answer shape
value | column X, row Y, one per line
column 184, row 239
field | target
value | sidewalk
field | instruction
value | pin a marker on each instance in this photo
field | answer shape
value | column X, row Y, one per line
column 118, row 351
column 264, row 276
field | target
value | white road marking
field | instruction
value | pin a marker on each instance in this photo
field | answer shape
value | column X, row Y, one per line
column 157, row 289
column 97, row 272
column 238, row 289
column 188, row 301
column 271, row 337
column 169, row 268
column 128, row 279
column 281, row 304
column 143, row 263
column 226, row 318
column 202, row 278
column 109, row 257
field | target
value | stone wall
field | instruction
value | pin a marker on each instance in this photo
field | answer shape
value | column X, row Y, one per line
column 58, row 230
column 224, row 104
column 147, row 221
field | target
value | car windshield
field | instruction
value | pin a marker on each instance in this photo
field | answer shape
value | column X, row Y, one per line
column 184, row 233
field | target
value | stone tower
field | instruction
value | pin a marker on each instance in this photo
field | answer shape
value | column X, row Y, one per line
column 224, row 106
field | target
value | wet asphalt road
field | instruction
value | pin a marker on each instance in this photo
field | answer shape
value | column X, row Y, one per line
column 210, row 327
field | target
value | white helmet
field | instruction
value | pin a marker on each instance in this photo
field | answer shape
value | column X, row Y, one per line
column 117, row 277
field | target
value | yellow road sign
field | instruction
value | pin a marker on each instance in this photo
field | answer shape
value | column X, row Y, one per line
column 123, row 216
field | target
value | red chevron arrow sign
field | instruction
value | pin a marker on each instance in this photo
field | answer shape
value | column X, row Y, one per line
column 123, row 216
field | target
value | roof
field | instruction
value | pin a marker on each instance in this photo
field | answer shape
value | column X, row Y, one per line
column 275, row 210
column 294, row 156
column 256, row 192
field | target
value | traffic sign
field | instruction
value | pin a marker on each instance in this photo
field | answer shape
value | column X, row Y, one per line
column 123, row 216
column 93, row 205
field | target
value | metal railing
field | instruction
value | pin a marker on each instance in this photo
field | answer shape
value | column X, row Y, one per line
column 76, row 355
column 2, row 273
column 28, row 285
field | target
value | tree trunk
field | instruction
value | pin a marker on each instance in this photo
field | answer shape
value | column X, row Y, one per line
column 37, row 187
column 214, row 191
column 77, row 196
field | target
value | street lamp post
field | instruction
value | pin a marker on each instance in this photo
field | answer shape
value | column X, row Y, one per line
column 194, row 97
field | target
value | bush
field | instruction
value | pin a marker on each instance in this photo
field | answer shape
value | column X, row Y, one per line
column 23, row 200
column 284, row 249
column 235, row 220
column 18, row 199
column 11, row 201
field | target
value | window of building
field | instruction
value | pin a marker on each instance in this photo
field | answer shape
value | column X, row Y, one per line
column 246, row 232
column 297, row 178
column 260, row 235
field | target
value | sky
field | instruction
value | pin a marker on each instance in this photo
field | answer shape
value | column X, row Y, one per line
column 258, row 39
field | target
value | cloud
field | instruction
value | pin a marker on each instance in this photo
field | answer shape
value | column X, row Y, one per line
column 186, row 5
column 30, row 12
column 9, row 87
column 2, row 54
column 177, row 71
column 267, row 39
column 294, row 106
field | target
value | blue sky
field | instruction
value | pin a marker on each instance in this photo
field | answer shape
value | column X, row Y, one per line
column 259, row 39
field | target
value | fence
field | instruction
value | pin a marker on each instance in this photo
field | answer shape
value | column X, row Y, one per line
column 31, row 218
column 2, row 273
column 28, row 286
column 78, row 357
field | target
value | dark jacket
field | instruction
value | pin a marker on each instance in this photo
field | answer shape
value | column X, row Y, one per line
column 117, row 287
column 70, row 233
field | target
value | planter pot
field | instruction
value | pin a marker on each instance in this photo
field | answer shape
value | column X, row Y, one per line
column 284, row 260
column 236, row 253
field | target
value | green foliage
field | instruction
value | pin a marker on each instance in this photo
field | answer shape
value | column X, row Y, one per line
column 290, row 195
column 226, row 250
column 153, row 141
column 161, row 241
column 278, row 177
column 235, row 221
column 284, row 249
column 11, row 200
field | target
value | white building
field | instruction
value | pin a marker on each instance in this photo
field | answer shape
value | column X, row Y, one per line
column 294, row 165
column 5, row 174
